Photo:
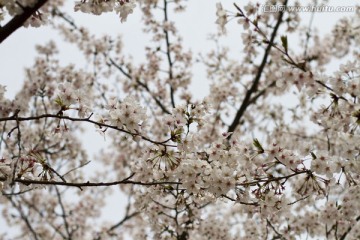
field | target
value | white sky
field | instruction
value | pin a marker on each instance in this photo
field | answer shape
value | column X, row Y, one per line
column 195, row 24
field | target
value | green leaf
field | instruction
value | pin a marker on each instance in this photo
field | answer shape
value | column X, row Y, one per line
column 284, row 42
column 257, row 144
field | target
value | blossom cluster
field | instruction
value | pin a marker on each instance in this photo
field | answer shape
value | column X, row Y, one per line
column 41, row 17
column 124, row 7
column 128, row 113
column 71, row 98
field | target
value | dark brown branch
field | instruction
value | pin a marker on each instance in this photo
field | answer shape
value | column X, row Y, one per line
column 19, row 20
column 87, row 184
column 256, row 81
column 343, row 237
column 262, row 92
column 330, row 89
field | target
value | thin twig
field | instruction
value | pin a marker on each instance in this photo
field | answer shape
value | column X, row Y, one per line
column 63, row 215
column 168, row 54
column 23, row 217
column 80, row 166
column 58, row 116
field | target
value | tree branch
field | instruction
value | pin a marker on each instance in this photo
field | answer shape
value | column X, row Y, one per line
column 343, row 237
column 122, row 221
column 246, row 101
column 167, row 41
column 87, row 184
column 143, row 85
column 267, row 180
column 279, row 235
column 63, row 215
column 19, row 20
column 32, row 118
column 23, row 217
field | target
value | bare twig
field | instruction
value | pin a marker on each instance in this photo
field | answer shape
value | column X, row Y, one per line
column 143, row 85
column 126, row 218
column 63, row 215
column 168, row 54
column 80, row 166
column 23, row 217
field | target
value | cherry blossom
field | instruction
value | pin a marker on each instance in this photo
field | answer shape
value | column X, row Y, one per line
column 270, row 153
column 222, row 17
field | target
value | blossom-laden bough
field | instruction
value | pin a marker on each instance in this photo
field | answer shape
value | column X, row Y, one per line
column 241, row 156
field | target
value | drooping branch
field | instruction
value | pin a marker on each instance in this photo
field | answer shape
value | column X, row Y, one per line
column 19, row 20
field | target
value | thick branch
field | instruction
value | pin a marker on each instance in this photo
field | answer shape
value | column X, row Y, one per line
column 256, row 81
column 261, row 93
column 19, row 20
